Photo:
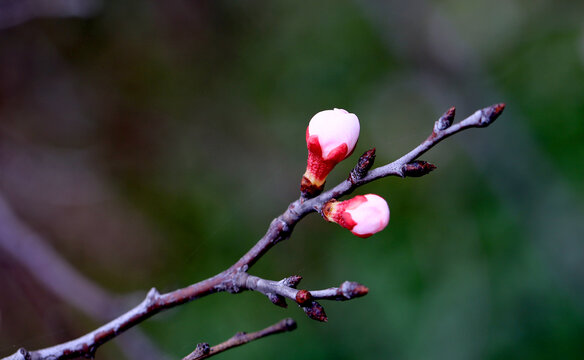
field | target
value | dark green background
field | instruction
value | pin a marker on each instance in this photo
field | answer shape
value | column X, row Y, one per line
column 191, row 115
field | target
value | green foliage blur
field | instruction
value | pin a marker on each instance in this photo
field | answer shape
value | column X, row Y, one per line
column 152, row 143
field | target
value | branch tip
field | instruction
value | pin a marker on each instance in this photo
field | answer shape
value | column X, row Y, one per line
column 490, row 114
column 288, row 324
column 351, row 289
column 204, row 351
column 417, row 168
column 308, row 190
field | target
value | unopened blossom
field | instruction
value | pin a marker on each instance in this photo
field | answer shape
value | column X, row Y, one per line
column 363, row 215
column 331, row 137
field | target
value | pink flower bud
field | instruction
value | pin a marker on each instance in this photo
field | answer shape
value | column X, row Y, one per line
column 331, row 137
column 364, row 215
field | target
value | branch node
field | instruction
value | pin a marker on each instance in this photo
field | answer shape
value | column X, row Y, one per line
column 303, row 297
column 201, row 349
column 363, row 165
column 236, row 283
column 21, row 354
column 277, row 300
column 152, row 295
column 281, row 229
column 417, row 168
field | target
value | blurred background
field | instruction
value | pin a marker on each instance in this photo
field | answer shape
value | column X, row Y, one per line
column 147, row 143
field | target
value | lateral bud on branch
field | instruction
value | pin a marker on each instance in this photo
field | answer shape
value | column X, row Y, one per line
column 315, row 311
column 202, row 349
column 291, row 281
column 445, row 120
column 21, row 354
column 277, row 300
column 363, row 166
column 417, row 168
column 152, row 296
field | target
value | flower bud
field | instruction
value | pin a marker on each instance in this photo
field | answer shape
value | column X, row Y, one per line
column 364, row 215
column 331, row 137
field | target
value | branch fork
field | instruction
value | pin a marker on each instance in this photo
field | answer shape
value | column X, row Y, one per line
column 278, row 291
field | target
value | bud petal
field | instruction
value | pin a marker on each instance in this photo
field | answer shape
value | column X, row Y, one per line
column 334, row 128
column 331, row 137
column 364, row 215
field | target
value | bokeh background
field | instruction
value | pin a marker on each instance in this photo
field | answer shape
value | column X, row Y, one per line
column 150, row 143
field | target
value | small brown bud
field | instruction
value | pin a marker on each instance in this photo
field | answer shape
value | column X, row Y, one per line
column 363, row 165
column 417, row 168
column 303, row 297
column 445, row 120
column 277, row 300
column 292, row 281
column 316, row 312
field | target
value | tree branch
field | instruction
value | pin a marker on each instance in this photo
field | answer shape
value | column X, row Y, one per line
column 203, row 351
column 279, row 229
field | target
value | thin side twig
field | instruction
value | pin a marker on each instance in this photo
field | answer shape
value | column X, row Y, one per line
column 278, row 291
column 280, row 229
column 203, row 351
column 346, row 291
